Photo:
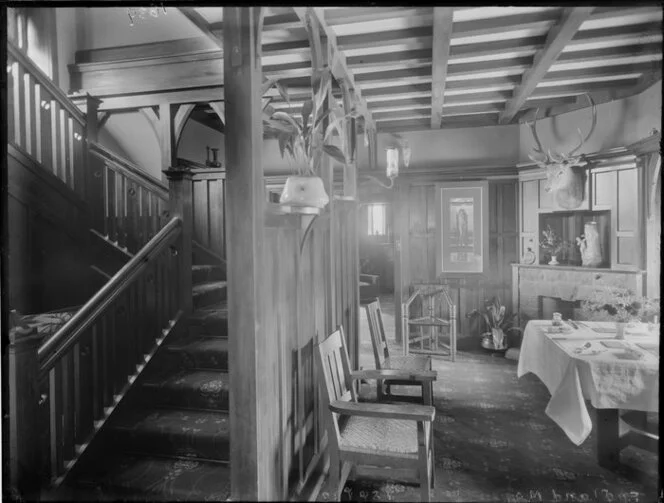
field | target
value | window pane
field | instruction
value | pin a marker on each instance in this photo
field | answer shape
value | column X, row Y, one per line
column 377, row 220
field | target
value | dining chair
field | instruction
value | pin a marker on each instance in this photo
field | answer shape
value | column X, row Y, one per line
column 417, row 365
column 380, row 436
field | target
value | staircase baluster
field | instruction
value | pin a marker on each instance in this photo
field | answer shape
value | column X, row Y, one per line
column 12, row 119
column 130, row 333
column 19, row 101
column 68, row 410
column 55, row 137
column 69, row 152
column 78, row 383
column 30, row 113
column 106, row 356
column 111, row 202
column 121, row 208
column 133, row 204
column 63, row 140
column 144, row 196
column 97, row 377
column 119, row 335
column 55, row 413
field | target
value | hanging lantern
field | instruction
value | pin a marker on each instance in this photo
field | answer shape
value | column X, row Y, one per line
column 406, row 151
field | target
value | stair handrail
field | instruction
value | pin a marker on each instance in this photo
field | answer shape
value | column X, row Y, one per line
column 45, row 80
column 130, row 169
column 57, row 345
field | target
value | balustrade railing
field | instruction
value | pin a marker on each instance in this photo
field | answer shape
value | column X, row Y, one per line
column 84, row 369
column 128, row 206
column 43, row 121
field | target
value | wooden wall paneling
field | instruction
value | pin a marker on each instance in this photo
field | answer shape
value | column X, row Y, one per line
column 217, row 193
column 545, row 198
column 201, row 212
column 401, row 219
column 419, row 267
column 629, row 210
column 254, row 410
column 47, row 226
column 430, row 198
column 528, row 209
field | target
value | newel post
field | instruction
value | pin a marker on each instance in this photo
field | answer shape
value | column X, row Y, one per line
column 24, row 438
column 180, row 198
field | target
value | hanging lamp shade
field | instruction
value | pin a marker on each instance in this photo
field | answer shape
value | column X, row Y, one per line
column 392, row 162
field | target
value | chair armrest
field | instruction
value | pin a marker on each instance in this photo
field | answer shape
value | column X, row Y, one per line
column 396, row 374
column 387, row 411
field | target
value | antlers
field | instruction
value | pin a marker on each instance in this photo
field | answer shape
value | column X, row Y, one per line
column 543, row 159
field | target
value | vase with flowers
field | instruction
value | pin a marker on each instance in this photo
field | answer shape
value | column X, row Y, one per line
column 553, row 244
column 620, row 305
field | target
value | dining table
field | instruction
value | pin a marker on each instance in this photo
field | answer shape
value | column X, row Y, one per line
column 584, row 361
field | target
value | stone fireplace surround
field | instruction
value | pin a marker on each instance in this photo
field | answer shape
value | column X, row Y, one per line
column 568, row 283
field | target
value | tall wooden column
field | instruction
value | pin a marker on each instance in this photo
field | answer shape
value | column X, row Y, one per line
column 249, row 424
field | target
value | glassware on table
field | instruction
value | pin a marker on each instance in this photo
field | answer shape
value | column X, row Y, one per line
column 557, row 320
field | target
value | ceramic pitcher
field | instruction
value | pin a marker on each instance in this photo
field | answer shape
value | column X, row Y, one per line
column 591, row 254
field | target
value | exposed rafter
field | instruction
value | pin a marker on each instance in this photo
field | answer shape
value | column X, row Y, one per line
column 201, row 23
column 338, row 62
column 443, row 18
column 559, row 36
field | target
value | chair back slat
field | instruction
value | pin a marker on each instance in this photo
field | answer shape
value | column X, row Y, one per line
column 377, row 331
column 334, row 362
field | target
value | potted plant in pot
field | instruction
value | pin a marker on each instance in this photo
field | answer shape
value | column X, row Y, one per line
column 304, row 138
column 498, row 323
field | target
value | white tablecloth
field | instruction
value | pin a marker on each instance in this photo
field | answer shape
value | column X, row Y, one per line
column 598, row 373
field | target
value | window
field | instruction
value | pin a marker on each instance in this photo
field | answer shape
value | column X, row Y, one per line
column 377, row 219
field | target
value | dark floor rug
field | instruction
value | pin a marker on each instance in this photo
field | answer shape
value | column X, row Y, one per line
column 493, row 442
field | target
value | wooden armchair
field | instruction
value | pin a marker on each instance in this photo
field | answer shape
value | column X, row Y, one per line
column 385, row 436
column 418, row 366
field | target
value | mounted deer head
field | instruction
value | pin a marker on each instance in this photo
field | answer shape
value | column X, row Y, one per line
column 564, row 173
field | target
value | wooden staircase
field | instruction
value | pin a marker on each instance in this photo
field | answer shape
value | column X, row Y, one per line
column 169, row 438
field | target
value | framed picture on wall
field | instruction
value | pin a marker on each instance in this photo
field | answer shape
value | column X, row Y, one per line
column 462, row 227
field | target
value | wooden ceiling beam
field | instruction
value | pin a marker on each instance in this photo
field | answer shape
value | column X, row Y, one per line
column 338, row 64
column 559, row 36
column 607, row 54
column 600, row 96
column 443, row 18
column 201, row 23
column 616, row 72
column 354, row 15
column 615, row 33
column 580, row 88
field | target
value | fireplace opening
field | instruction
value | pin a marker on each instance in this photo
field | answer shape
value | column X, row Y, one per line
column 548, row 305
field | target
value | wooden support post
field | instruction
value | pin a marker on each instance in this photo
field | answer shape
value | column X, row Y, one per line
column 24, row 443
column 92, row 125
column 180, row 200
column 252, row 420
column 167, row 136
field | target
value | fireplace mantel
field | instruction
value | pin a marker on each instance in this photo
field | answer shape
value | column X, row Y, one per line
column 569, row 283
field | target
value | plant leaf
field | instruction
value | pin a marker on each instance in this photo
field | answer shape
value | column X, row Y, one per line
column 283, row 91
column 283, row 116
column 335, row 152
column 307, row 108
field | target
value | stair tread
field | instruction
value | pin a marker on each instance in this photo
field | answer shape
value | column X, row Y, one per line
column 201, row 267
column 208, row 287
column 200, row 344
column 189, row 388
column 217, row 312
column 174, row 421
column 170, row 479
